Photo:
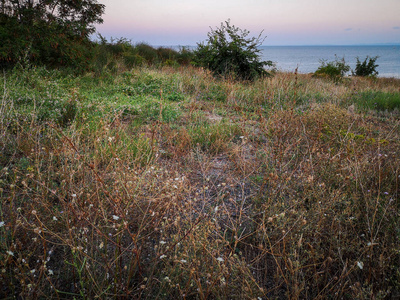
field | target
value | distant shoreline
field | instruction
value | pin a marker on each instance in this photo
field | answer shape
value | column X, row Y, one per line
column 353, row 45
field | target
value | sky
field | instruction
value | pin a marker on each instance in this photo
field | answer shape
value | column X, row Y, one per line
column 283, row 22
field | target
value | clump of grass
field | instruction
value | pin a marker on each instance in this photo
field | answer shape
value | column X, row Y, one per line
column 377, row 100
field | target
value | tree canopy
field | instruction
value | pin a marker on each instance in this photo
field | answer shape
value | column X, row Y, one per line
column 54, row 32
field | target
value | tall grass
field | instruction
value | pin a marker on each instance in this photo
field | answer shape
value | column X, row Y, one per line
column 167, row 183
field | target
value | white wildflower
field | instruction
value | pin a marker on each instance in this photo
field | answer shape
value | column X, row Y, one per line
column 360, row 264
column 2, row 224
column 220, row 259
column 55, row 218
column 163, row 256
column 115, row 217
column 162, row 242
column 10, row 253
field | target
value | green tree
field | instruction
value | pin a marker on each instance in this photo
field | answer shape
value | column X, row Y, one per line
column 228, row 51
column 54, row 32
column 367, row 67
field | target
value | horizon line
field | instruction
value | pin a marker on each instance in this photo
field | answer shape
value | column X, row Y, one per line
column 293, row 45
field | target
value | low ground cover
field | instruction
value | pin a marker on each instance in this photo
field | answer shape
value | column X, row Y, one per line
column 168, row 183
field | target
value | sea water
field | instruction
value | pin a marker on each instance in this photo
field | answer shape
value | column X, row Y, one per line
column 307, row 59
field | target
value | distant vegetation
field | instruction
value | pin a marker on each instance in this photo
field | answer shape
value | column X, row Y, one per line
column 56, row 34
column 367, row 67
column 334, row 69
column 338, row 68
column 229, row 52
column 120, row 54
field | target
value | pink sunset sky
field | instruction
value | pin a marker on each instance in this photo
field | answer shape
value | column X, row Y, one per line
column 285, row 22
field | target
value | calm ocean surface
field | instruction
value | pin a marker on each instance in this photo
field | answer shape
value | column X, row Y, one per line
column 307, row 58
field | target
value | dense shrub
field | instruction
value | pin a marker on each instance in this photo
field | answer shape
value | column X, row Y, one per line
column 334, row 69
column 54, row 33
column 121, row 53
column 367, row 67
column 228, row 52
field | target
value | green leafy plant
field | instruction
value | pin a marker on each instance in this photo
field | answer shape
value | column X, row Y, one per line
column 367, row 67
column 229, row 52
column 335, row 70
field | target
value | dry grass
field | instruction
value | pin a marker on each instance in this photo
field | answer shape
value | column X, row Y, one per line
column 169, row 184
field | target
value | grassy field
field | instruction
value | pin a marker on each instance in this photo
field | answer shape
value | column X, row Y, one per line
column 168, row 183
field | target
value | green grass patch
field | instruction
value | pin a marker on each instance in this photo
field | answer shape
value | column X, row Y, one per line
column 377, row 100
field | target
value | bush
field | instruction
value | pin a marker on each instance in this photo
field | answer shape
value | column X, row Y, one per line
column 229, row 52
column 367, row 67
column 334, row 69
column 52, row 33
column 147, row 52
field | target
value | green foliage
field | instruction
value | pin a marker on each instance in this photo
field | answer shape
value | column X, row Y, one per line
column 378, row 100
column 229, row 52
column 109, row 56
column 367, row 67
column 50, row 32
column 335, row 70
column 147, row 52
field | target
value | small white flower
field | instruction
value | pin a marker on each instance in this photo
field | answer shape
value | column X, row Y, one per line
column 51, row 272
column 115, row 217
column 360, row 264
column 163, row 256
column 162, row 242
column 2, row 224
column 34, row 212
column 220, row 259
column 216, row 209
column 33, row 271
column 10, row 253
column 73, row 195
column 101, row 245
column 183, row 261
column 55, row 218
